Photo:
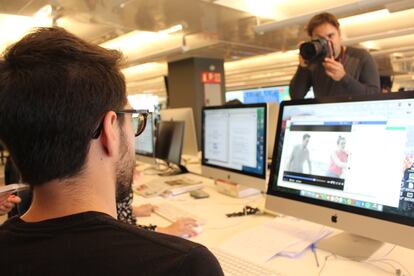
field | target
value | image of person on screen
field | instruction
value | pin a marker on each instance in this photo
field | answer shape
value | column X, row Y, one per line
column 339, row 159
column 335, row 70
column 299, row 155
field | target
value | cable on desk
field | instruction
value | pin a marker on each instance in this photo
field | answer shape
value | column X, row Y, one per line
column 395, row 270
column 247, row 211
column 398, row 271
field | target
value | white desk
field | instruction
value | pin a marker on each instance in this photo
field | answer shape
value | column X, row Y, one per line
column 218, row 228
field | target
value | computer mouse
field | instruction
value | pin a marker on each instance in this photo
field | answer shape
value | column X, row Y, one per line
column 198, row 229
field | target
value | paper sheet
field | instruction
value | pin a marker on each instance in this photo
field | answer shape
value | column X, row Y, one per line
column 285, row 236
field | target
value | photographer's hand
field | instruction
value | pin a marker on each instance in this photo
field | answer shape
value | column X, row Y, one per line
column 302, row 62
column 334, row 69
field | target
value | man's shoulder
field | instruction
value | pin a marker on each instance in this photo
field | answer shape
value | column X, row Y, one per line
column 94, row 226
column 103, row 242
column 145, row 237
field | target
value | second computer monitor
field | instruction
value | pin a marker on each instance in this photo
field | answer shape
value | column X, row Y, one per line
column 185, row 114
column 169, row 142
column 234, row 144
column 144, row 143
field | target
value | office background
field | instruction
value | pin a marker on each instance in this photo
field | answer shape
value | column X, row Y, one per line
column 255, row 40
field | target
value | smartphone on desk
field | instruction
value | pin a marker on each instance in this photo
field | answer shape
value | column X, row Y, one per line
column 197, row 194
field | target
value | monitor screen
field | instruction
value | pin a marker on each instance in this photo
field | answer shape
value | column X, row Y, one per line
column 264, row 94
column 144, row 143
column 354, row 158
column 234, row 139
column 185, row 114
column 169, row 141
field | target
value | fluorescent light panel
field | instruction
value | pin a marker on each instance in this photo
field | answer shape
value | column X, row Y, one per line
column 363, row 18
column 14, row 27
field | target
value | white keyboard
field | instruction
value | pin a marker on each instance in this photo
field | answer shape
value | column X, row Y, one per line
column 233, row 265
column 172, row 213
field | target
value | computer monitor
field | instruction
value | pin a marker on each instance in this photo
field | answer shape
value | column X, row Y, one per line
column 348, row 164
column 272, row 113
column 234, row 144
column 144, row 143
column 185, row 114
column 169, row 141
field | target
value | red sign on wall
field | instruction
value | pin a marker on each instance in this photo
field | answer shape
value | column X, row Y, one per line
column 210, row 77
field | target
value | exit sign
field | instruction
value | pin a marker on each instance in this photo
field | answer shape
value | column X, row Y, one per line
column 210, row 77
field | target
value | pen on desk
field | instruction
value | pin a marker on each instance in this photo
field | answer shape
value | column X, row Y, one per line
column 313, row 248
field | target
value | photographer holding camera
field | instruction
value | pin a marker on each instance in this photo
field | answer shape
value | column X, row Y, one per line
column 331, row 68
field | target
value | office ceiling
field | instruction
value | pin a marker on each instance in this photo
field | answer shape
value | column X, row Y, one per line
column 234, row 30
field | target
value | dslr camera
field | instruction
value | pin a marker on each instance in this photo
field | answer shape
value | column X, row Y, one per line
column 316, row 50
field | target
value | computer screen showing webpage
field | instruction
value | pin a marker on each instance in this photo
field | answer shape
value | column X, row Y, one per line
column 144, row 143
column 359, row 154
column 234, row 138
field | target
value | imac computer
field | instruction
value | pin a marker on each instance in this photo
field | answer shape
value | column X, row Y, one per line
column 234, row 144
column 144, row 143
column 169, row 142
column 190, row 146
column 348, row 164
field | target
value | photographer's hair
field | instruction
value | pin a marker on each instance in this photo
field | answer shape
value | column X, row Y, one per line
column 320, row 19
column 305, row 136
column 54, row 91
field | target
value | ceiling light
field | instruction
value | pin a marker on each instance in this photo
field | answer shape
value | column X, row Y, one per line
column 370, row 45
column 44, row 12
column 133, row 40
column 363, row 18
column 173, row 29
column 345, row 8
column 21, row 26
column 146, row 68
column 136, row 39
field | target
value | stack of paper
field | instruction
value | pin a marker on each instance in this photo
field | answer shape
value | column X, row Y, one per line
column 284, row 236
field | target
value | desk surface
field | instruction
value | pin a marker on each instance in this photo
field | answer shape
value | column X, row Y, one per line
column 218, row 228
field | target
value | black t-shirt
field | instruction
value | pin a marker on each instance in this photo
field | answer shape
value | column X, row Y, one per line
column 94, row 243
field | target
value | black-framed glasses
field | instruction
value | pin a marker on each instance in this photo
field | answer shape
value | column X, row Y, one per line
column 139, row 121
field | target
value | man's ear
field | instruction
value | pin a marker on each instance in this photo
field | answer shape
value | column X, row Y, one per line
column 110, row 133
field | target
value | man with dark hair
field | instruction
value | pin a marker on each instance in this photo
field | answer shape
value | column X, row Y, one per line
column 69, row 129
column 346, row 71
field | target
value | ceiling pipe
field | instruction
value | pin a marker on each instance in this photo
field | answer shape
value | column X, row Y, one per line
column 392, row 50
column 360, row 6
column 387, row 34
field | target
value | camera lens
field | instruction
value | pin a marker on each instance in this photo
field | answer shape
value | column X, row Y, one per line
column 314, row 50
column 308, row 51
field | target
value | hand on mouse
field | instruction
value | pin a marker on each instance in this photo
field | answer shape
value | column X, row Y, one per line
column 183, row 227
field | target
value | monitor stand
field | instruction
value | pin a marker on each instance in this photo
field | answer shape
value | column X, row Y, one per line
column 174, row 169
column 159, row 167
column 350, row 246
